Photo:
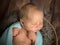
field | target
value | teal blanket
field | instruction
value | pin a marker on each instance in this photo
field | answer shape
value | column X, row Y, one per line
column 6, row 38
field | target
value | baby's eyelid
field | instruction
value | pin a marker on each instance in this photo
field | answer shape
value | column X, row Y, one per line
column 34, row 24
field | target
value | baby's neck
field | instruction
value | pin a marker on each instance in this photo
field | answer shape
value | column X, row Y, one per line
column 31, row 35
column 30, row 32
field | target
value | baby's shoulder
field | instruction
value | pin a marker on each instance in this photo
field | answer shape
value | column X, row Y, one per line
column 22, row 32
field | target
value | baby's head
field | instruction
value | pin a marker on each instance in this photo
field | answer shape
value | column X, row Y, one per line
column 31, row 17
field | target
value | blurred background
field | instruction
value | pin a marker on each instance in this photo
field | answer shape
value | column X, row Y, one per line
column 51, row 12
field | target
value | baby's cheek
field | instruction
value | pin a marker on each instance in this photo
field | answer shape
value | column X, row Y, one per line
column 37, row 27
column 41, row 26
column 33, row 28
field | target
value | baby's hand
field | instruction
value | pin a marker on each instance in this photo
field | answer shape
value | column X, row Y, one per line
column 15, row 31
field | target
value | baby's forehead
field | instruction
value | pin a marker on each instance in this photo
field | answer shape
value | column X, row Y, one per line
column 35, row 13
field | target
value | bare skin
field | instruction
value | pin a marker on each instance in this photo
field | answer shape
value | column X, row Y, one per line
column 29, row 28
column 21, row 38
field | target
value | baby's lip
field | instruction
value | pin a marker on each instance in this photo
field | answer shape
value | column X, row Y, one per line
column 34, row 30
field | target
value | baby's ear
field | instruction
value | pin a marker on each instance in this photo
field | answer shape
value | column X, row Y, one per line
column 22, row 22
column 15, row 31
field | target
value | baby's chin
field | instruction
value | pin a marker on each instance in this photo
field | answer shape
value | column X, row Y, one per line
column 35, row 31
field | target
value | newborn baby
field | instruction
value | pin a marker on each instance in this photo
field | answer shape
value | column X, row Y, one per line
column 31, row 19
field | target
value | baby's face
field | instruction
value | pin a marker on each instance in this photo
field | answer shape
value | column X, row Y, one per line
column 35, row 21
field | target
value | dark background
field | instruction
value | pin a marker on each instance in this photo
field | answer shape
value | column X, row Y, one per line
column 51, row 11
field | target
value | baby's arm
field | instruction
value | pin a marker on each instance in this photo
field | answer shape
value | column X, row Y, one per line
column 20, row 37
